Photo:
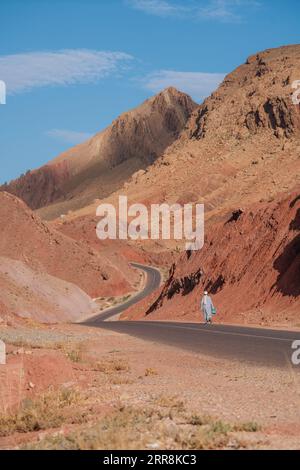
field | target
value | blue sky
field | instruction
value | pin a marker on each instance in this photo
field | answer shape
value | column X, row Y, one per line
column 72, row 66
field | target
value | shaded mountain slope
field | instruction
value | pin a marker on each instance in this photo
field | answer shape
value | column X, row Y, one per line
column 100, row 165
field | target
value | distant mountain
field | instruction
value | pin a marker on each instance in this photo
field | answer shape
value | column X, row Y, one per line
column 103, row 163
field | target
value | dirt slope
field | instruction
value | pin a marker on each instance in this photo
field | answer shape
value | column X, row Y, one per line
column 39, row 296
column 26, row 239
column 101, row 164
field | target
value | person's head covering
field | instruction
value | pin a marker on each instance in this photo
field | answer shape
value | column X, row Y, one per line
column 205, row 292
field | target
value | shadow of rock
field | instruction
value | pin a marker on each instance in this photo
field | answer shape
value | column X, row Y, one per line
column 288, row 264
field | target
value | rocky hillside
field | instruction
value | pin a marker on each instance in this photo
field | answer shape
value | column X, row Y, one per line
column 100, row 165
column 240, row 155
column 250, row 264
column 241, row 145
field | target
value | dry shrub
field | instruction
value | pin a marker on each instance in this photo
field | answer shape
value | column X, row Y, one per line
column 172, row 402
column 112, row 365
column 149, row 371
column 73, row 351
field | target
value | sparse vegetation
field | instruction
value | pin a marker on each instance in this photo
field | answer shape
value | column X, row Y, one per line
column 171, row 402
column 150, row 371
column 75, row 355
column 119, row 380
column 122, row 430
column 73, row 351
column 108, row 302
column 250, row 426
column 50, row 410
column 126, row 297
column 112, row 365
column 197, row 420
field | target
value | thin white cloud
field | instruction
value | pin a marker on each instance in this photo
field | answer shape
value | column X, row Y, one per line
column 22, row 72
column 198, row 85
column 158, row 7
column 69, row 137
column 217, row 10
column 227, row 11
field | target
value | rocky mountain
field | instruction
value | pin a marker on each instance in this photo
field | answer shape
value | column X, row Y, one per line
column 241, row 145
column 103, row 163
column 240, row 155
column 250, row 264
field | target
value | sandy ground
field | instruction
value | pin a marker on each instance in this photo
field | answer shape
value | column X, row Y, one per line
column 117, row 372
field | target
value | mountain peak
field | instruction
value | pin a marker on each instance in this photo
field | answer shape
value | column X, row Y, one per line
column 173, row 91
column 172, row 94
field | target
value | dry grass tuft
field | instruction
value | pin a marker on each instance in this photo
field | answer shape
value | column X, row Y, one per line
column 119, row 380
column 112, row 365
column 73, row 351
column 75, row 355
column 171, row 402
column 250, row 426
column 149, row 371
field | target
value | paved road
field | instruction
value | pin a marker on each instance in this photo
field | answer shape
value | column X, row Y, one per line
column 152, row 283
column 251, row 345
column 244, row 344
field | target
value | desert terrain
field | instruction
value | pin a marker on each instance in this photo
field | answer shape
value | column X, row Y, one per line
column 70, row 386
column 74, row 387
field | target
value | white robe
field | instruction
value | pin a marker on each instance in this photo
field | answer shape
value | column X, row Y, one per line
column 206, row 307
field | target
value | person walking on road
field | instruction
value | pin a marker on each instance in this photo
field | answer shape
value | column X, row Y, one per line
column 207, row 308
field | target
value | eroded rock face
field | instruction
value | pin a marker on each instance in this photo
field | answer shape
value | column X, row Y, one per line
column 40, row 187
column 256, row 96
column 249, row 262
column 173, row 286
column 274, row 114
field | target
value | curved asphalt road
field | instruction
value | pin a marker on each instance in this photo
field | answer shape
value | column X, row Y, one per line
column 244, row 344
column 152, row 283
